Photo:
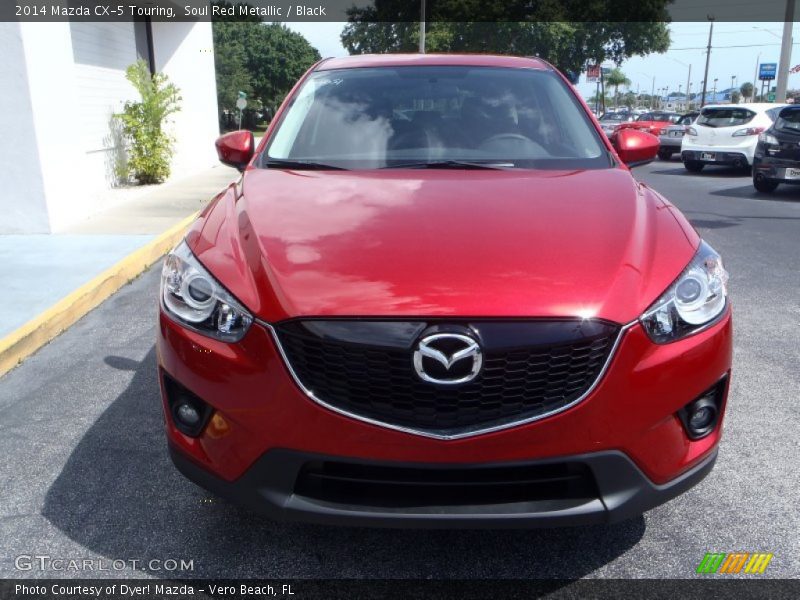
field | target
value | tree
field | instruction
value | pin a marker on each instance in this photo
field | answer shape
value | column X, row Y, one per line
column 630, row 99
column 149, row 146
column 747, row 89
column 567, row 34
column 597, row 99
column 617, row 78
column 263, row 60
column 232, row 75
column 736, row 97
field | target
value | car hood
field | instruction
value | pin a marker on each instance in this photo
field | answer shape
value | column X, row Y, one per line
column 443, row 243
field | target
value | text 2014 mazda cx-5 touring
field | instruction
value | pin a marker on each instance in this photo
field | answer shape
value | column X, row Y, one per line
column 438, row 297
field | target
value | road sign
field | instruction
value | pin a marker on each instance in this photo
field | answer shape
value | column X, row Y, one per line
column 766, row 71
column 592, row 73
column 606, row 71
column 771, row 97
column 241, row 103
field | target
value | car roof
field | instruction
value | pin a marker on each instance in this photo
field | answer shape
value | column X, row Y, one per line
column 404, row 60
column 756, row 106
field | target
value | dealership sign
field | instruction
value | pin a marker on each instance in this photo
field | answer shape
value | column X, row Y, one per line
column 766, row 71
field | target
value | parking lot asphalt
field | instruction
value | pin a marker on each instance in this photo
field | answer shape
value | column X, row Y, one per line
column 85, row 472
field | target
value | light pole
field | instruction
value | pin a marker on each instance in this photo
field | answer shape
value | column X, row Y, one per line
column 422, row 27
column 786, row 53
column 755, row 78
column 652, row 89
column 708, row 59
column 733, row 86
column 714, row 93
column 688, row 76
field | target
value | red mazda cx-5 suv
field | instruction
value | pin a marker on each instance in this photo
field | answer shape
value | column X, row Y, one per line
column 438, row 297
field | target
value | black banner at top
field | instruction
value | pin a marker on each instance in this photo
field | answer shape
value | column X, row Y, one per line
column 396, row 11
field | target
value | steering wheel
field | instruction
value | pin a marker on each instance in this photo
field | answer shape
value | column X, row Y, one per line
column 507, row 136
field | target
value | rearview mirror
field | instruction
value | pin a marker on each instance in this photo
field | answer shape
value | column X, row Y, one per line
column 635, row 147
column 236, row 148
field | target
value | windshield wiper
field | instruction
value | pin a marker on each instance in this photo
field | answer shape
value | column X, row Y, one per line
column 451, row 164
column 283, row 163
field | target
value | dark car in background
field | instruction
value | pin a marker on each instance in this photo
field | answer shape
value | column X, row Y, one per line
column 777, row 156
column 670, row 138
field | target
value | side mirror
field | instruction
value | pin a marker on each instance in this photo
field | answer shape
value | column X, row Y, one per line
column 236, row 148
column 635, row 147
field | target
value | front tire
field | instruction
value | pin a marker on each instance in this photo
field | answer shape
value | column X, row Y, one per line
column 693, row 166
column 764, row 185
column 664, row 154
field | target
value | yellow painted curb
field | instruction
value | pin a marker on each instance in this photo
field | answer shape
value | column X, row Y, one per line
column 34, row 334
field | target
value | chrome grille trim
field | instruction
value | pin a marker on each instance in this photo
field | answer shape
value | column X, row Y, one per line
column 446, row 436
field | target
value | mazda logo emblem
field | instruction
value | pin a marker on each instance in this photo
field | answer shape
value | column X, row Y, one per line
column 449, row 350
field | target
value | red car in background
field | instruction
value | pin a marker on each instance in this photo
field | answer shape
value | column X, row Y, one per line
column 653, row 122
column 438, row 297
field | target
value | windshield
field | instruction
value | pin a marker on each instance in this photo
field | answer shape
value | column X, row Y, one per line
column 614, row 117
column 789, row 121
column 671, row 117
column 725, row 117
column 687, row 119
column 365, row 118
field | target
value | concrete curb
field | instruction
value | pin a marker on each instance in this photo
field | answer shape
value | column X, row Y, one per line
column 34, row 334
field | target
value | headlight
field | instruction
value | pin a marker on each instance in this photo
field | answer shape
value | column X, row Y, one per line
column 193, row 298
column 693, row 301
column 691, row 131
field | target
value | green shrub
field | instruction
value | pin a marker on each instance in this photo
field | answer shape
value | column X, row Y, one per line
column 149, row 146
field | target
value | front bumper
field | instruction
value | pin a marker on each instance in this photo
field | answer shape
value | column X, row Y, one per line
column 275, row 486
column 630, row 416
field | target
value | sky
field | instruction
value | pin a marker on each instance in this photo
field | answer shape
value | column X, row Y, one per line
column 736, row 47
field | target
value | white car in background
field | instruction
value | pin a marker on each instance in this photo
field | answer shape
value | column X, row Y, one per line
column 726, row 134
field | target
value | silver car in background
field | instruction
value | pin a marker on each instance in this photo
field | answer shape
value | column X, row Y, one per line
column 671, row 137
column 611, row 120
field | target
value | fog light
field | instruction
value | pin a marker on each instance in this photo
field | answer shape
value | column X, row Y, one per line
column 189, row 413
column 698, row 420
column 700, row 416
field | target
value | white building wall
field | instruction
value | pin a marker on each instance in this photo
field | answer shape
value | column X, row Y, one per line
column 102, row 53
column 22, row 203
column 54, row 104
column 60, row 84
column 185, row 53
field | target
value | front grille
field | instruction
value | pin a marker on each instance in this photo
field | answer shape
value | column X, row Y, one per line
column 403, row 487
column 365, row 368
